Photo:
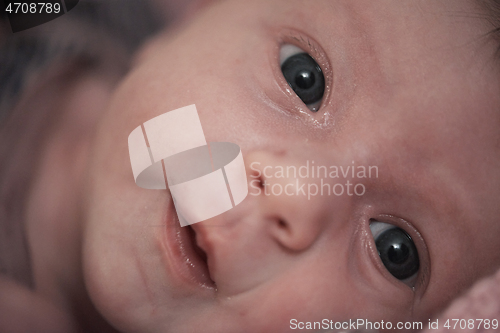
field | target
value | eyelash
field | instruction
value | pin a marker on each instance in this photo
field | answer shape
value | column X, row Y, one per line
column 314, row 50
column 424, row 272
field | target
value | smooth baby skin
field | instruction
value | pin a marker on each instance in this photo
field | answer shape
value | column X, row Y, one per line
column 411, row 87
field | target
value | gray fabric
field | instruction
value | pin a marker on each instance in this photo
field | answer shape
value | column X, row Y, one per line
column 80, row 33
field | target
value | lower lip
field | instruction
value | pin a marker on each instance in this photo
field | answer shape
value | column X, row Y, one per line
column 182, row 255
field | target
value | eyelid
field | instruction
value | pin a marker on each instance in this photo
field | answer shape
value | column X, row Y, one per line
column 379, row 228
column 287, row 51
column 424, row 273
column 308, row 45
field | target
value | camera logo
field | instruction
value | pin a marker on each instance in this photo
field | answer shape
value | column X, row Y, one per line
column 170, row 151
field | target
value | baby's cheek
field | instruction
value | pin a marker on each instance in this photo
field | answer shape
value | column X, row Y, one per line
column 300, row 296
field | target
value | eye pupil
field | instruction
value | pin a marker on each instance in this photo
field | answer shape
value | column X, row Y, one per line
column 398, row 253
column 305, row 79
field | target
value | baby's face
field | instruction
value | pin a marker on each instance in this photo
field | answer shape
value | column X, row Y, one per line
column 410, row 88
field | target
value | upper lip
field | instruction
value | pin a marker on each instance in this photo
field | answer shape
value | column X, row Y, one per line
column 203, row 244
column 201, row 236
column 184, row 255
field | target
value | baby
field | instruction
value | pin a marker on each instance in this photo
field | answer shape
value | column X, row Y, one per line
column 410, row 89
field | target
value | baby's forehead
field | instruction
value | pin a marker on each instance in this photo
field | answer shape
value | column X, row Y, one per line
column 435, row 25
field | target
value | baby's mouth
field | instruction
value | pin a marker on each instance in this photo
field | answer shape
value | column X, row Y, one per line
column 189, row 260
column 199, row 251
column 202, row 255
column 196, row 258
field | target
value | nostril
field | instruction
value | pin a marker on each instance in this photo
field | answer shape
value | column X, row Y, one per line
column 293, row 237
column 259, row 179
column 255, row 177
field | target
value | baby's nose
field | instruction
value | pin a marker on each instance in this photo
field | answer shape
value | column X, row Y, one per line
column 292, row 205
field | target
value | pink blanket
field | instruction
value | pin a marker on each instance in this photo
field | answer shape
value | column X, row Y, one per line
column 478, row 310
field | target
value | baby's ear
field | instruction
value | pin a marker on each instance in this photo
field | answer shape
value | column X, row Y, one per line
column 174, row 13
column 149, row 48
column 197, row 5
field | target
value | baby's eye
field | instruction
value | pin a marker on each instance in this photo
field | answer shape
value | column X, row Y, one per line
column 396, row 250
column 303, row 75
